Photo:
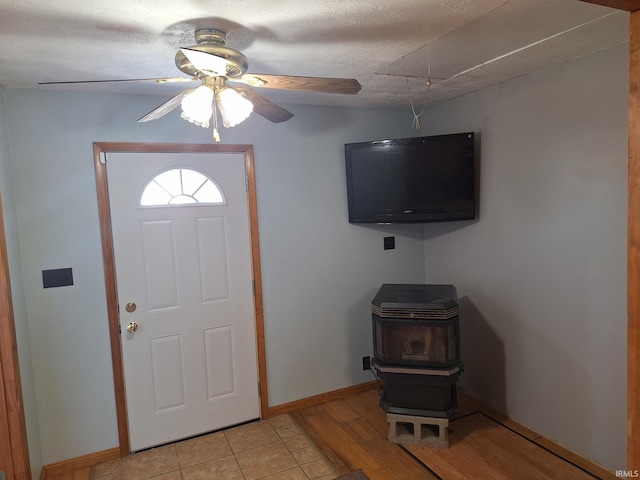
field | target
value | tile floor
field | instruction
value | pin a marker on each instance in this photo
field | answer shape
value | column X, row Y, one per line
column 274, row 449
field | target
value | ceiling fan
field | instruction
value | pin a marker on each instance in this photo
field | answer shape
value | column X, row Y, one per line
column 227, row 87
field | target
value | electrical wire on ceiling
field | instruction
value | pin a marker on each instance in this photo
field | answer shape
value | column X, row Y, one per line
column 416, row 115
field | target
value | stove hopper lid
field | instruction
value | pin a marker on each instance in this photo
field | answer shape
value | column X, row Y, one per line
column 416, row 297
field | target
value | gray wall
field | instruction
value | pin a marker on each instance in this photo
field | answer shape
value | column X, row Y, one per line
column 18, row 300
column 542, row 273
column 319, row 272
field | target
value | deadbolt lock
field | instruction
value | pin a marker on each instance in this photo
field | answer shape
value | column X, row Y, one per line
column 130, row 307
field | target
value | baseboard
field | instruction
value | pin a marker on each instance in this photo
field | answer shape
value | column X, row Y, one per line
column 320, row 399
column 84, row 461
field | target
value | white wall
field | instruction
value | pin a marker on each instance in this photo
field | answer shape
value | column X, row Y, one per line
column 319, row 272
column 18, row 300
column 542, row 273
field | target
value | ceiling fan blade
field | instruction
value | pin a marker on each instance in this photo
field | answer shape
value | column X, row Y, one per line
column 166, row 107
column 158, row 80
column 309, row 84
column 264, row 107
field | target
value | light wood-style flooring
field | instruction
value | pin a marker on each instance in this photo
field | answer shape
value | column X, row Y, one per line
column 351, row 433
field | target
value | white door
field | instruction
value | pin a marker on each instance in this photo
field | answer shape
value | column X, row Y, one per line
column 182, row 248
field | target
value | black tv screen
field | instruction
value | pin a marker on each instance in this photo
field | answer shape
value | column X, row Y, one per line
column 412, row 180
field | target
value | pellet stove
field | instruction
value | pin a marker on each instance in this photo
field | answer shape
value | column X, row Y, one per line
column 417, row 348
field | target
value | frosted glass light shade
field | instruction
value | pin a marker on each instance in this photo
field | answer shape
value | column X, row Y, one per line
column 234, row 108
column 197, row 106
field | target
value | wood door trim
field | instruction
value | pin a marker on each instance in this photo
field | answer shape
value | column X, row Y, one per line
column 633, row 250
column 14, row 454
column 99, row 150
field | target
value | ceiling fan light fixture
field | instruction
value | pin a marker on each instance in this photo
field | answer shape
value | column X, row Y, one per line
column 197, row 106
column 233, row 107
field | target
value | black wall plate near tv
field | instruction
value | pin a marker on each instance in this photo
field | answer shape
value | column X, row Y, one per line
column 412, row 180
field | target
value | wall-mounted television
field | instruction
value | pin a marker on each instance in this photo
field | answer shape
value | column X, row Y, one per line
column 412, row 180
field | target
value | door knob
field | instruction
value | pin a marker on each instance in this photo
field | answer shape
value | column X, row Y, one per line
column 132, row 327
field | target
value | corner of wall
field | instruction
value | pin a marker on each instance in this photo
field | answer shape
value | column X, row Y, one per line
column 18, row 298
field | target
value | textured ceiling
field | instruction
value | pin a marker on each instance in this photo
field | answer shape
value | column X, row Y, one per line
column 389, row 47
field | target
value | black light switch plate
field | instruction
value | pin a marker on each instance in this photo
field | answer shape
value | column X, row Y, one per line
column 389, row 243
column 60, row 277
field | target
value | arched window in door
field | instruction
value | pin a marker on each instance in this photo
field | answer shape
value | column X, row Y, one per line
column 181, row 186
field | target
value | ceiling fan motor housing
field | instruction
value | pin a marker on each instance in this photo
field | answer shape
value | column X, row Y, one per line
column 212, row 42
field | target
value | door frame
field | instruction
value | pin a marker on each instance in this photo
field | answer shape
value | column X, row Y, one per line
column 100, row 149
column 633, row 249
